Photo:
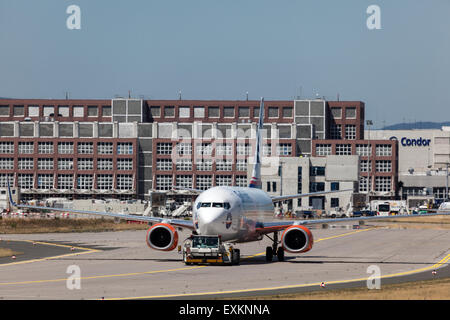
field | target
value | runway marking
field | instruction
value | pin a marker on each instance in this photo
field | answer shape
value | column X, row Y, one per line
column 442, row 262
column 128, row 274
column 86, row 250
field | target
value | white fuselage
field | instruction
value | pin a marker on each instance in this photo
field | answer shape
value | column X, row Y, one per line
column 228, row 212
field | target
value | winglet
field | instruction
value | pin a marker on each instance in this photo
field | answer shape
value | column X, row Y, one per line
column 255, row 181
column 11, row 201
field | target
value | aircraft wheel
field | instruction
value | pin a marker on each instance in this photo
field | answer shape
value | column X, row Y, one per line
column 269, row 254
column 280, row 254
column 236, row 259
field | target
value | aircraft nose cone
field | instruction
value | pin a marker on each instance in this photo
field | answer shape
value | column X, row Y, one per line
column 208, row 221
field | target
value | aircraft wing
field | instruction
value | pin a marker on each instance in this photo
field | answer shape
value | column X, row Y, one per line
column 175, row 222
column 268, row 227
column 301, row 195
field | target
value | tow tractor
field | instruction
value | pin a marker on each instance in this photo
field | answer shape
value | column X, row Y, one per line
column 209, row 249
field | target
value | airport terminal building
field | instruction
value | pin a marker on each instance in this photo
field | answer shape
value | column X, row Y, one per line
column 123, row 148
column 424, row 156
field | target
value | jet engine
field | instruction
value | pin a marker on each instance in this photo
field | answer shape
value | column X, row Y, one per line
column 297, row 239
column 162, row 237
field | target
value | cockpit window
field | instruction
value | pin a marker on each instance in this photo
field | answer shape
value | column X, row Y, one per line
column 217, row 205
column 206, row 204
column 226, row 205
column 199, row 205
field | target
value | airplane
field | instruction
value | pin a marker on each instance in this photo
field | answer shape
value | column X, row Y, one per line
column 228, row 212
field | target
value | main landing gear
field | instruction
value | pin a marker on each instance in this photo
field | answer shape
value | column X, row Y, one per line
column 274, row 249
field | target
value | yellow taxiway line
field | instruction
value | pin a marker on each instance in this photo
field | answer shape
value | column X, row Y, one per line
column 86, row 250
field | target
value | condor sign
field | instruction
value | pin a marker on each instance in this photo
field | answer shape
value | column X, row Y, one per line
column 406, row 142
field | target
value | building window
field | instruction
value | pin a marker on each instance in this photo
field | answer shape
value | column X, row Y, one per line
column 106, row 111
column 287, row 112
column 184, row 165
column 124, row 182
column 204, row 182
column 213, row 112
column 383, row 166
column 48, row 111
column 184, row 180
column 204, row 149
column 343, row 149
column 334, row 186
column 284, row 149
column 350, row 113
column 224, row 165
column 85, row 148
column 274, row 186
column 365, row 184
column 26, row 164
column 241, row 165
column 244, row 112
column 268, row 186
column 92, row 111
column 104, row 164
column 155, row 111
column 228, row 112
column 45, row 181
column 104, row 181
column 63, row 111
column 65, row 164
column 241, row 181
column 205, row 165
column 382, row 184
column 334, row 202
column 163, row 148
column 323, row 149
column 365, row 166
column 124, row 164
column 45, row 164
column 45, row 147
column 7, row 147
column 78, row 111
column 124, row 148
column 316, row 186
column 84, row 181
column 164, row 164
column 25, row 181
column 65, row 147
column 25, row 147
column 336, row 113
column 65, row 181
column 184, row 112
column 335, row 131
column 243, row 149
column 224, row 180
column 317, row 171
column 184, row 149
column 163, row 182
column 105, row 148
column 383, row 150
column 350, row 132
column 85, row 164
column 18, row 111
column 299, row 181
column 267, row 149
column 199, row 112
column 6, row 163
column 224, row 149
column 169, row 111
column 273, row 112
column 363, row 150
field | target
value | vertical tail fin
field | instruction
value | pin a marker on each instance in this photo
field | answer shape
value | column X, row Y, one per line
column 255, row 181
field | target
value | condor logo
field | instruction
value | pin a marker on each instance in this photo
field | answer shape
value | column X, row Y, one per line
column 406, row 142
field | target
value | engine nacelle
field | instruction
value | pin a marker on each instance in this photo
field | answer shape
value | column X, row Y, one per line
column 297, row 239
column 162, row 237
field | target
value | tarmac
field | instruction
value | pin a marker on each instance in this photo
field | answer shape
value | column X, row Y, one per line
column 119, row 265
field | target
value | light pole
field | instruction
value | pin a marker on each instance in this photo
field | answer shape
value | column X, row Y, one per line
column 369, row 166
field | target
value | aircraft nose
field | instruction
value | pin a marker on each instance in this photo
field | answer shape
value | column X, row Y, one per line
column 207, row 219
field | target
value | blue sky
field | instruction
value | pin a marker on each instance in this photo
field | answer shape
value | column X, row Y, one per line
column 220, row 49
